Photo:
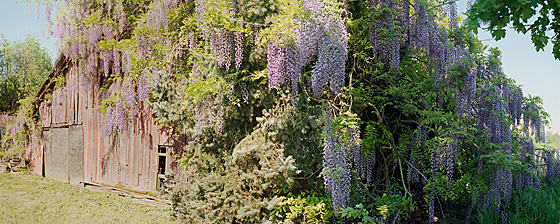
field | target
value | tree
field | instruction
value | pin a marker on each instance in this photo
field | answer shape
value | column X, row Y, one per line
column 24, row 65
column 536, row 17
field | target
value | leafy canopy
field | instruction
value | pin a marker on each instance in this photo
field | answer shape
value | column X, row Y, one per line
column 24, row 65
column 537, row 17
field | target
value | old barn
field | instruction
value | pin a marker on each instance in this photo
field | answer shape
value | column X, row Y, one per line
column 72, row 147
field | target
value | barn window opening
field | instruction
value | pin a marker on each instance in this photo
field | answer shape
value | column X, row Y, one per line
column 162, row 163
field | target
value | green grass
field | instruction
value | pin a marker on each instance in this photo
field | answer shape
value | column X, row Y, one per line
column 26, row 198
column 536, row 205
column 530, row 206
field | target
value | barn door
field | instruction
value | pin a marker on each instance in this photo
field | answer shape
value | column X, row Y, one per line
column 63, row 157
column 57, row 165
column 75, row 154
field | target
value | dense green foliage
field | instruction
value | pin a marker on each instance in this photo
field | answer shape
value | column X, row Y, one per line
column 24, row 65
column 303, row 208
column 22, row 133
column 275, row 140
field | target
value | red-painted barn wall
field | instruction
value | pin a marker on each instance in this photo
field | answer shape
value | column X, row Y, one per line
column 128, row 158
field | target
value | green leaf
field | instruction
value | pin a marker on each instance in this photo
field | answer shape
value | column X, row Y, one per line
column 499, row 34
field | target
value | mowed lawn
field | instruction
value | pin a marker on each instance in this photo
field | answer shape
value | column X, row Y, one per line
column 26, row 198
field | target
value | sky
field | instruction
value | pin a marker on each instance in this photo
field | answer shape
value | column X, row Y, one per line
column 19, row 20
column 537, row 72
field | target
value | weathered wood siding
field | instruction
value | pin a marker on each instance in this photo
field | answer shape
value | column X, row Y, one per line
column 128, row 158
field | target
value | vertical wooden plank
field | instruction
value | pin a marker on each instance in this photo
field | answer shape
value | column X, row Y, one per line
column 163, row 138
column 47, row 153
column 62, row 113
column 145, row 150
column 87, row 155
column 149, row 157
column 76, row 105
column 150, row 174
column 142, row 153
column 140, row 147
column 112, row 157
column 75, row 154
column 49, row 115
column 59, row 147
column 135, row 156
column 115, row 158
column 122, row 157
column 84, row 97
column 81, row 106
column 117, row 150
column 105, row 163
column 70, row 100
column 70, row 103
column 106, row 169
column 99, row 144
column 65, row 106
column 112, row 168
column 36, row 159
column 126, row 145
column 41, row 116
column 72, row 108
column 168, row 160
column 153, row 152
column 92, row 146
column 88, row 118
column 130, row 154
column 68, row 106
column 87, row 152
column 44, row 115
column 51, row 110
column 78, row 109
column 48, row 118
column 88, row 123
column 51, row 120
